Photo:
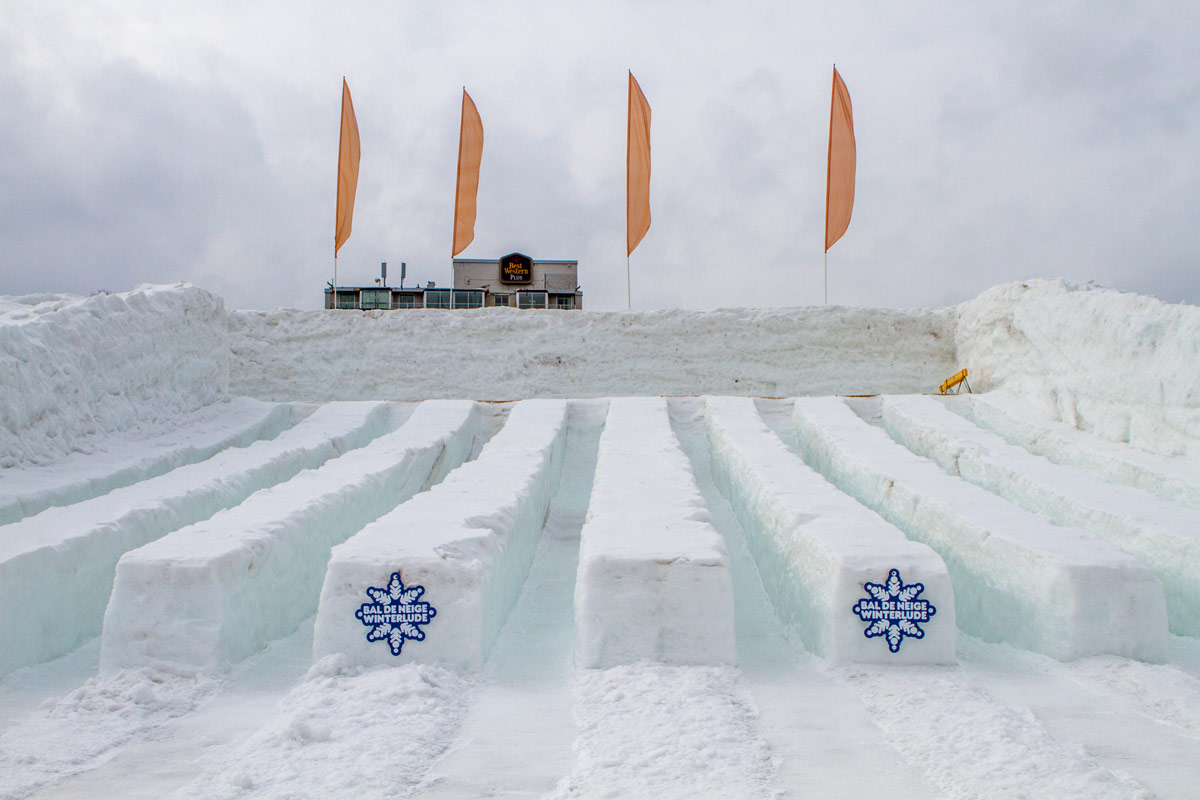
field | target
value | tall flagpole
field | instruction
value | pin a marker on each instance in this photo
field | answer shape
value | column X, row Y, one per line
column 628, row 291
column 828, row 170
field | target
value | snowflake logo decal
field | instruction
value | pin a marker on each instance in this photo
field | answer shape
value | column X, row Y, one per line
column 396, row 614
column 894, row 610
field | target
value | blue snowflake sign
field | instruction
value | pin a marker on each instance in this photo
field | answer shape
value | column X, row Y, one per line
column 894, row 610
column 396, row 614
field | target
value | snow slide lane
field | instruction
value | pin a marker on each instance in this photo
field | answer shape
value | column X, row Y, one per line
column 57, row 568
column 217, row 591
column 1163, row 535
column 235, row 423
column 1023, row 424
column 816, row 547
column 468, row 542
column 1017, row 577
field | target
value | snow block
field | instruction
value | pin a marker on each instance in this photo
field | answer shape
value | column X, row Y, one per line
column 56, row 568
column 1022, row 423
column 468, row 542
column 235, row 423
column 653, row 581
column 1163, row 535
column 1018, row 578
column 217, row 591
column 816, row 547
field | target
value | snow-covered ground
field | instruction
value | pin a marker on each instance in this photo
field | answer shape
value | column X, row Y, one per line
column 269, row 554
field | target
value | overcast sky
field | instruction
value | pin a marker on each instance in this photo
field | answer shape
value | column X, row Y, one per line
column 160, row 141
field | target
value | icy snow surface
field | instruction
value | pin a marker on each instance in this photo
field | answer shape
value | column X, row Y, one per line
column 200, row 450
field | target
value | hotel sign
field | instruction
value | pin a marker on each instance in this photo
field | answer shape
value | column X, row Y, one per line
column 516, row 268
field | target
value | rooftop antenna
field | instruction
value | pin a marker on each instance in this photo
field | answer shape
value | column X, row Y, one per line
column 383, row 273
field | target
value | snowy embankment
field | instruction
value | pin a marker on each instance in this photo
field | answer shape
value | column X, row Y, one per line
column 653, row 581
column 1121, row 365
column 74, row 370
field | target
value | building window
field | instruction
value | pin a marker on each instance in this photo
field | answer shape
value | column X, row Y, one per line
column 468, row 298
column 531, row 299
column 565, row 301
column 405, row 300
column 347, row 299
column 375, row 298
column 437, row 298
column 500, row 299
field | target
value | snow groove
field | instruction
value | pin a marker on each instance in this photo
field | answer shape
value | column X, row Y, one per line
column 70, row 553
column 217, row 591
column 1017, row 578
column 1164, row 535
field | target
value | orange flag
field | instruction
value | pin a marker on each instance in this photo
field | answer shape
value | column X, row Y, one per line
column 637, row 168
column 470, row 154
column 348, row 153
column 839, row 183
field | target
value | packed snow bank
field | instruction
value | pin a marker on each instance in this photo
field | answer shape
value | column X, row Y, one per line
column 501, row 354
column 1163, row 535
column 56, row 568
column 1021, row 423
column 1017, row 577
column 653, row 581
column 816, row 547
column 82, row 476
column 468, row 542
column 1122, row 365
column 76, row 369
column 219, row 590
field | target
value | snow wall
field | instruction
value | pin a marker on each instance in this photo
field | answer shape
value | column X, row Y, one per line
column 1123, row 366
column 73, row 370
column 507, row 354
column 76, row 369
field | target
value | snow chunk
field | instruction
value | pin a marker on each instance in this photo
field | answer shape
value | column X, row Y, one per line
column 653, row 581
column 469, row 542
column 815, row 547
column 1017, row 577
column 219, row 590
column 56, row 568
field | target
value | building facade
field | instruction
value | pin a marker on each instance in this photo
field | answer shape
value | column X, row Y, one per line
column 515, row 281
